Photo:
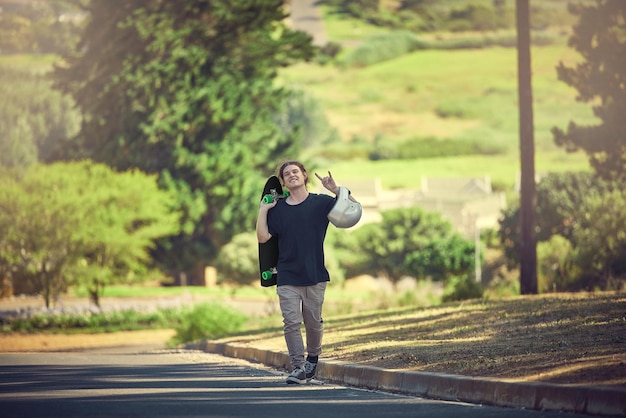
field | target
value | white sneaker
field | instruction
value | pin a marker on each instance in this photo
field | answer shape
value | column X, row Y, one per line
column 297, row 376
column 310, row 368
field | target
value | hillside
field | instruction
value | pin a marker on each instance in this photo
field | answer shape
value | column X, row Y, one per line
column 465, row 98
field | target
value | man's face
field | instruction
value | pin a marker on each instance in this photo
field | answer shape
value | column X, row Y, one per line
column 293, row 176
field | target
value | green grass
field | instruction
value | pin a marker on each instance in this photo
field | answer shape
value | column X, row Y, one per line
column 503, row 170
column 341, row 27
column 254, row 291
column 403, row 98
column 151, row 291
column 34, row 62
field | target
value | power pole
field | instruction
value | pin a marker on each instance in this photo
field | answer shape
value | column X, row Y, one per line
column 528, row 250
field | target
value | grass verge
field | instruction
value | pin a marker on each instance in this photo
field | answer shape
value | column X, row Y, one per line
column 561, row 338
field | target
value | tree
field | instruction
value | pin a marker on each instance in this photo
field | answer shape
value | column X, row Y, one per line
column 125, row 213
column 528, row 193
column 185, row 90
column 33, row 117
column 79, row 224
column 600, row 37
column 38, row 216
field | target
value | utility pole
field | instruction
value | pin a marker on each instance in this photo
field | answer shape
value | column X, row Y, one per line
column 528, row 196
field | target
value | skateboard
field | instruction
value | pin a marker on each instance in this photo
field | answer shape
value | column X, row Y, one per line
column 268, row 251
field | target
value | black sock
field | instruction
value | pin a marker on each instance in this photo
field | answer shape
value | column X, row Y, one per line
column 312, row 359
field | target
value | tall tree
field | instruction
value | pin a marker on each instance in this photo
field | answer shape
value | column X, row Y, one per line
column 185, row 89
column 600, row 78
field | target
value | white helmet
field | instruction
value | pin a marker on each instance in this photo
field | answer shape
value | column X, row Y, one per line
column 345, row 213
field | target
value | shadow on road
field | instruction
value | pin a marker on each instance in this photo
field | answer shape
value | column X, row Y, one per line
column 170, row 385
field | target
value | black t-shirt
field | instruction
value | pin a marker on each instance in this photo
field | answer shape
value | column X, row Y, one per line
column 300, row 230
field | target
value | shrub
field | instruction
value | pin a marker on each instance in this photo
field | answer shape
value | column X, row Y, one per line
column 382, row 47
column 92, row 322
column 207, row 321
column 441, row 258
column 560, row 197
column 461, row 288
column 403, row 231
column 505, row 40
column 554, row 264
column 599, row 239
column 328, row 52
column 431, row 147
column 478, row 18
column 434, row 147
column 382, row 150
column 344, row 151
column 237, row 261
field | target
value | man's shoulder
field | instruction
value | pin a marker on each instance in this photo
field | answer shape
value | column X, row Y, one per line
column 321, row 196
column 323, row 201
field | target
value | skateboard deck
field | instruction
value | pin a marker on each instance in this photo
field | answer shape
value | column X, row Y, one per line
column 268, row 251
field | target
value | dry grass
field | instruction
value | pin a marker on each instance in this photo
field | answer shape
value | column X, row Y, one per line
column 572, row 338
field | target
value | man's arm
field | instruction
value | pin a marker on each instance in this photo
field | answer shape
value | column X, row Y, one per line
column 329, row 183
column 262, row 230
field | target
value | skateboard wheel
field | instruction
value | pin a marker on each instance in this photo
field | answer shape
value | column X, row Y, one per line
column 266, row 275
column 267, row 199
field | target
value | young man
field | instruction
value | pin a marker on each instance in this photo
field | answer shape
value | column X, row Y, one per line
column 300, row 222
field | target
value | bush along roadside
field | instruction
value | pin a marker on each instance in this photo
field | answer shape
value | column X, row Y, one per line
column 93, row 322
column 207, row 321
column 191, row 323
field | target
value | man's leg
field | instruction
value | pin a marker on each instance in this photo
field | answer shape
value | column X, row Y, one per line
column 314, row 325
column 290, row 299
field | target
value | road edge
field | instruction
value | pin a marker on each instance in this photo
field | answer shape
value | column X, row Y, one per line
column 540, row 396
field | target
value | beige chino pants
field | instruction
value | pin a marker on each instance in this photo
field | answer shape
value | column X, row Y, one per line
column 302, row 304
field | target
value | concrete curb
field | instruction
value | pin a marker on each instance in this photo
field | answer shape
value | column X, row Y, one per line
column 528, row 395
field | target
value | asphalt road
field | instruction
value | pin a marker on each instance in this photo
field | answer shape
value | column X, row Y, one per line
column 151, row 382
